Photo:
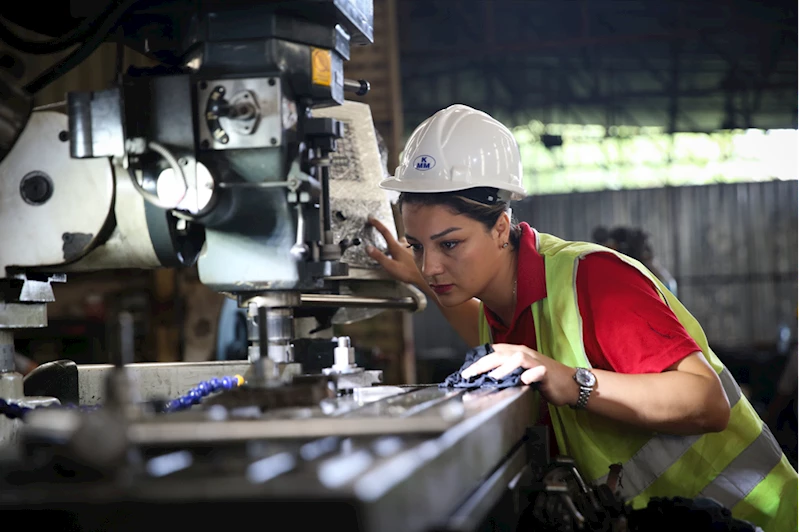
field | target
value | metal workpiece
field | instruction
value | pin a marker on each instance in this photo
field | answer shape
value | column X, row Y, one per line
column 265, row 371
column 253, row 399
column 359, row 379
column 162, row 380
column 347, row 374
column 343, row 354
column 168, row 380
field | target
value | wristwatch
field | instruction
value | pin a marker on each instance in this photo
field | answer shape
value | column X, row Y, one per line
column 586, row 381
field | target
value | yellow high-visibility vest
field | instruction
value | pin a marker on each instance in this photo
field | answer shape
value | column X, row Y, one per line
column 742, row 467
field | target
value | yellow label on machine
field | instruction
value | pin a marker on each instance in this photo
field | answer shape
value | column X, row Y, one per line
column 321, row 67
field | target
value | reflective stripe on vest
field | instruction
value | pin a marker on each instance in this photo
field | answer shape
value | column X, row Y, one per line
column 749, row 468
column 662, row 451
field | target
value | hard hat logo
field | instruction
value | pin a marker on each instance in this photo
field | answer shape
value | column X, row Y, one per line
column 424, row 162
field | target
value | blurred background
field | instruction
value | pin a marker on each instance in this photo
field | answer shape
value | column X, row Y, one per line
column 665, row 129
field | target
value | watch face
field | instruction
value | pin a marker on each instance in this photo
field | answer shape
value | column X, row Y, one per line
column 584, row 377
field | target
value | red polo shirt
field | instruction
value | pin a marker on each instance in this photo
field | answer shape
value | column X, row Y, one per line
column 626, row 326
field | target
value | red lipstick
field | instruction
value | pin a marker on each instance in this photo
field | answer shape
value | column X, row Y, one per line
column 441, row 288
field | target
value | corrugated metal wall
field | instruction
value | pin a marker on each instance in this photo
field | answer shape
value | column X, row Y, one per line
column 731, row 247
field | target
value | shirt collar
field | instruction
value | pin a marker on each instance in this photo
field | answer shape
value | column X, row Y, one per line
column 531, row 283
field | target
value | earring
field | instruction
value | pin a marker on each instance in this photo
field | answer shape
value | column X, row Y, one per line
column 504, row 245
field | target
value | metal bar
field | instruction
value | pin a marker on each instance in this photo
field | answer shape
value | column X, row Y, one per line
column 336, row 300
column 360, row 87
column 259, row 184
column 187, row 432
column 408, row 404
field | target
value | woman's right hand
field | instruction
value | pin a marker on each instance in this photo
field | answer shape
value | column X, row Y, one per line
column 400, row 264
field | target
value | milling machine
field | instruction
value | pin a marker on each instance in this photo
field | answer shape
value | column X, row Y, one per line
column 238, row 153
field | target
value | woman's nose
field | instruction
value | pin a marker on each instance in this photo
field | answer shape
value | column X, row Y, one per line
column 431, row 265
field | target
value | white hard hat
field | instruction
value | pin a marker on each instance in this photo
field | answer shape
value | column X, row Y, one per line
column 459, row 148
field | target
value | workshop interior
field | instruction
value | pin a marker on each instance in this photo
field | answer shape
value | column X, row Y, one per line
column 191, row 331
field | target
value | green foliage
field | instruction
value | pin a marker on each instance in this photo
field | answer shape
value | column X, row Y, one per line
column 593, row 158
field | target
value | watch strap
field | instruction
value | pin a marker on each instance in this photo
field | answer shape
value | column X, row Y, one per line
column 582, row 400
column 585, row 391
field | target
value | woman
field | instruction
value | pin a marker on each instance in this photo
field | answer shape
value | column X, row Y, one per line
column 625, row 370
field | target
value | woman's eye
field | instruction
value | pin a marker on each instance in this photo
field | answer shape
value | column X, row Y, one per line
column 450, row 244
column 415, row 247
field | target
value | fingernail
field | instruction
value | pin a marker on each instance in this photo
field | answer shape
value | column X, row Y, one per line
column 369, row 248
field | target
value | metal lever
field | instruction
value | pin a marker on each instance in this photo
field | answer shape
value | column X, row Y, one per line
column 359, row 87
column 299, row 250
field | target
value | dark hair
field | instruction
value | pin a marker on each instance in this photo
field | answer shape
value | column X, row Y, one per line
column 601, row 235
column 485, row 213
column 631, row 241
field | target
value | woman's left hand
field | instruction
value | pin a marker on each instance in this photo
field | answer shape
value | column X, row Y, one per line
column 554, row 379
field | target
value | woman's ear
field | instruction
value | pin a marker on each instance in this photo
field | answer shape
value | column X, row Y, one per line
column 501, row 230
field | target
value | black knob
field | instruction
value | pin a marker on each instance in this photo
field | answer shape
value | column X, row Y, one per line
column 36, row 188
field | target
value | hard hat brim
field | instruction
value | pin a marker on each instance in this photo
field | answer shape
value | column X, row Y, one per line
column 397, row 185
